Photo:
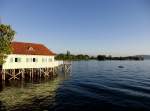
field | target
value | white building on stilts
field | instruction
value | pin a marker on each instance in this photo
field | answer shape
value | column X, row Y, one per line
column 27, row 58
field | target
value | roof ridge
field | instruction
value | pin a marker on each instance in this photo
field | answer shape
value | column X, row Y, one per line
column 27, row 42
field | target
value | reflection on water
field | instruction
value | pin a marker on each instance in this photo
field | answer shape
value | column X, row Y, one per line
column 18, row 94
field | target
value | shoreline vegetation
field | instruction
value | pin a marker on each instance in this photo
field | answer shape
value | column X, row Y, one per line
column 72, row 57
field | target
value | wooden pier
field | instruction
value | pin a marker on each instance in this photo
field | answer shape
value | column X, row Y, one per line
column 30, row 73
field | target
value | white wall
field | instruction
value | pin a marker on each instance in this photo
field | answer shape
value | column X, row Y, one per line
column 11, row 64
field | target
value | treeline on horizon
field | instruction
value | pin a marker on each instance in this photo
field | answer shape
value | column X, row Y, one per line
column 71, row 57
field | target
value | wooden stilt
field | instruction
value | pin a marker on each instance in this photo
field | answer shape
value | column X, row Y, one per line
column 37, row 73
column 40, row 73
column 3, row 74
column 3, row 84
column 32, row 73
column 14, row 73
column 53, row 71
column 23, row 73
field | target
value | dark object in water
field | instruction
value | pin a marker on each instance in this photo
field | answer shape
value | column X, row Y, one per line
column 120, row 67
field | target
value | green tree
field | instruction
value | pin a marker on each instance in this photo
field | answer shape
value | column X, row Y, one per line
column 6, row 36
column 101, row 57
column 68, row 53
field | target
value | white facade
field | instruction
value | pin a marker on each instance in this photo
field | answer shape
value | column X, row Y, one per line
column 17, row 61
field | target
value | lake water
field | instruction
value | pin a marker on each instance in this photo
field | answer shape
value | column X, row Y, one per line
column 91, row 86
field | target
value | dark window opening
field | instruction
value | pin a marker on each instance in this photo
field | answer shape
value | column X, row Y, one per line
column 34, row 60
column 16, row 59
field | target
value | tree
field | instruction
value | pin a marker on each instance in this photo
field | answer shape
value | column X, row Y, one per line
column 109, row 57
column 6, row 36
column 68, row 53
column 101, row 57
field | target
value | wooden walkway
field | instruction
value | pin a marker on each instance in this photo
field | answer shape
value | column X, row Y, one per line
column 12, row 74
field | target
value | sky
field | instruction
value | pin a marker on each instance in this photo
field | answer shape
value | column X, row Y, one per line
column 116, row 27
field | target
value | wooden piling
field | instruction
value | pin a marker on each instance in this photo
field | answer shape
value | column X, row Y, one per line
column 3, row 74
column 30, row 74
column 23, row 74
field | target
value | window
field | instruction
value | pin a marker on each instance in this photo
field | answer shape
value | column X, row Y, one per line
column 16, row 59
column 19, row 59
column 50, row 60
column 31, row 60
column 34, row 60
column 11, row 59
column 27, row 59
column 43, row 60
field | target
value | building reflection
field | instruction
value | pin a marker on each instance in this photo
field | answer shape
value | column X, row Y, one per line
column 14, row 94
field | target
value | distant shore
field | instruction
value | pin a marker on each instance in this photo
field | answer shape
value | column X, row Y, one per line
column 72, row 57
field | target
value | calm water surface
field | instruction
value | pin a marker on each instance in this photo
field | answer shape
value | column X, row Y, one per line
column 91, row 86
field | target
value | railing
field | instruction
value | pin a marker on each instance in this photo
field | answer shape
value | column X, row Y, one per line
column 64, row 62
column 60, row 62
column 67, row 62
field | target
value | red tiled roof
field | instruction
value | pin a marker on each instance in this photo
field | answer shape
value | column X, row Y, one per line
column 30, row 49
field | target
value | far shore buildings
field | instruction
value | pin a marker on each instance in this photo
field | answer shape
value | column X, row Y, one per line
column 31, row 59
